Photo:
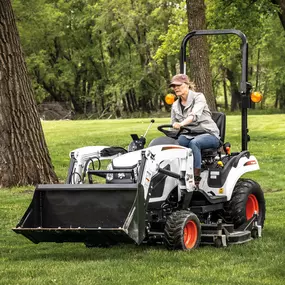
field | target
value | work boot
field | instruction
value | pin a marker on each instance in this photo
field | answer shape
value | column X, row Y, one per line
column 197, row 177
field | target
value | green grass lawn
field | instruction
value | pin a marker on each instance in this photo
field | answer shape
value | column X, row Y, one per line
column 261, row 261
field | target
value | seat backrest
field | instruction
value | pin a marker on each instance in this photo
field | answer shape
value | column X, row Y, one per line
column 220, row 119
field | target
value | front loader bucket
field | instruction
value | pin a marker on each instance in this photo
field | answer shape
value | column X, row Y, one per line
column 96, row 214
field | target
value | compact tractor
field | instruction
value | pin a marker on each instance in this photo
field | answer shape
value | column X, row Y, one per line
column 149, row 195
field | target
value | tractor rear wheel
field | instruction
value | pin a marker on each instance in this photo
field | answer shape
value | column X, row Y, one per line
column 182, row 231
column 247, row 198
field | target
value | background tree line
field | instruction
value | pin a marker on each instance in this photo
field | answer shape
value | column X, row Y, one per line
column 114, row 57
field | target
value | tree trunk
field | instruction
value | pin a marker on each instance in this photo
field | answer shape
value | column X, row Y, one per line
column 129, row 101
column 235, row 94
column 281, row 4
column 281, row 96
column 133, row 99
column 276, row 98
column 125, row 106
column 199, row 52
column 225, row 93
column 264, row 93
column 24, row 157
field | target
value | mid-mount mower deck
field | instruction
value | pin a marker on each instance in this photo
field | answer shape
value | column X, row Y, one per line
column 149, row 194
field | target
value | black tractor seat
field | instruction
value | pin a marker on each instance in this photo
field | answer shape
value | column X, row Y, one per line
column 220, row 119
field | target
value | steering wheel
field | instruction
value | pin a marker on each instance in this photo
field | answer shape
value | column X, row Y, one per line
column 174, row 133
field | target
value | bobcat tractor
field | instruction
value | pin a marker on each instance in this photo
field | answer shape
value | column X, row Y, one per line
column 148, row 195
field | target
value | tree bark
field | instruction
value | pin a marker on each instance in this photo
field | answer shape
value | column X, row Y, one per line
column 24, row 157
column 200, row 71
column 225, row 93
column 235, row 94
column 280, row 97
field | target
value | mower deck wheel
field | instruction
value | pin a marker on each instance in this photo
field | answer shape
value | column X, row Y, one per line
column 182, row 231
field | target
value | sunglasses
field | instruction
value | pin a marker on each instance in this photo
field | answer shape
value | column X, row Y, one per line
column 174, row 86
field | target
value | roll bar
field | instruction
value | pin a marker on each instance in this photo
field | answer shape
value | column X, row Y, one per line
column 245, row 86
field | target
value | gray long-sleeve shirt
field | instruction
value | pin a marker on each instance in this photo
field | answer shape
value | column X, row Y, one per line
column 197, row 107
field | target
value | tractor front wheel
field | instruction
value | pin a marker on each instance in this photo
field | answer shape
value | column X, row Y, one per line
column 247, row 198
column 182, row 231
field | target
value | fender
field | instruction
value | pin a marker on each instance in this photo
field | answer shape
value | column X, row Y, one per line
column 244, row 165
column 222, row 181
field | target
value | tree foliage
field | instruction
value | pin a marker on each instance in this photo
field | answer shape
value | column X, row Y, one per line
column 257, row 19
column 116, row 57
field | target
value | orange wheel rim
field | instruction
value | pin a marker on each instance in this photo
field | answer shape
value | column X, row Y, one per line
column 251, row 206
column 190, row 234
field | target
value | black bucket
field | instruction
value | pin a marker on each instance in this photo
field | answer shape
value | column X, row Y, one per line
column 96, row 214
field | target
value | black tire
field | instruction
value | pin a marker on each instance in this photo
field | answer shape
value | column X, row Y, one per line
column 247, row 197
column 218, row 242
column 182, row 231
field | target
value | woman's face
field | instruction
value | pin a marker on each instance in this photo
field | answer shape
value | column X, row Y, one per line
column 181, row 90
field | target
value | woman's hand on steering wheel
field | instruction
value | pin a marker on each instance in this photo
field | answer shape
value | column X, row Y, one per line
column 174, row 133
column 177, row 125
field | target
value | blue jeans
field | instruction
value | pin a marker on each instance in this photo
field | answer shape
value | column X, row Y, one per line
column 197, row 143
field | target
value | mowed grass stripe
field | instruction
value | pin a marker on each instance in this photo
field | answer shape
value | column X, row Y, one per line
column 261, row 261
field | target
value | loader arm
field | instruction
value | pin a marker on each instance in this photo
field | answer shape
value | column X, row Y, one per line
column 100, row 214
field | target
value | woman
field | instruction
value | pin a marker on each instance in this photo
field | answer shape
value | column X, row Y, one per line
column 191, row 109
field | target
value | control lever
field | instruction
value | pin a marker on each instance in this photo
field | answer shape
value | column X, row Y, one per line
column 139, row 143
